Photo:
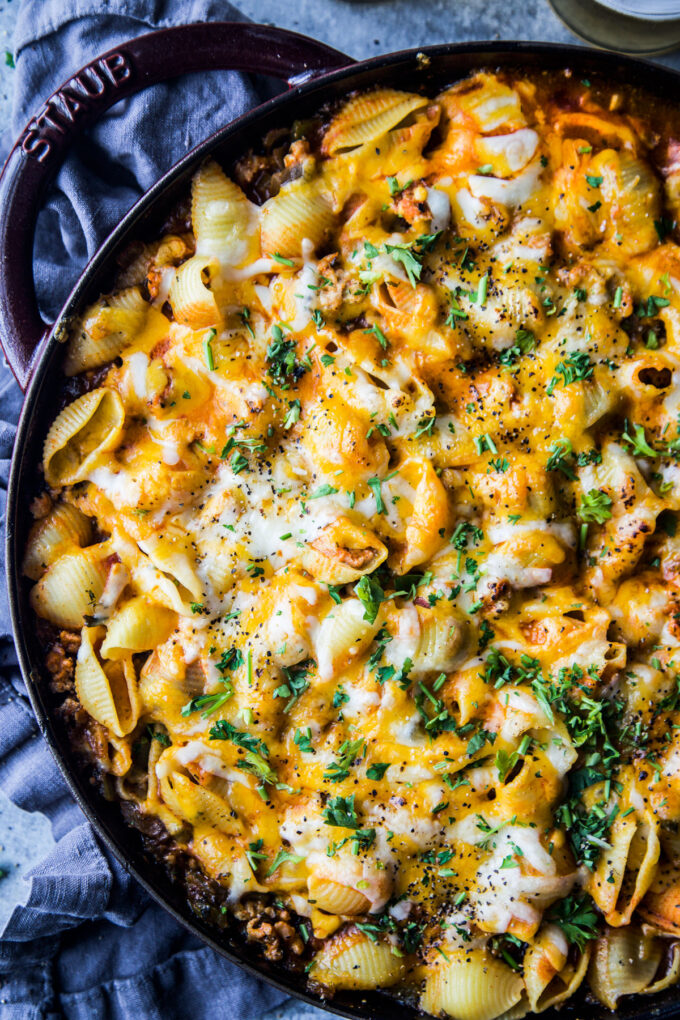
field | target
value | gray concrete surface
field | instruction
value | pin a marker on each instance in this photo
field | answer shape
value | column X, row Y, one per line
column 361, row 29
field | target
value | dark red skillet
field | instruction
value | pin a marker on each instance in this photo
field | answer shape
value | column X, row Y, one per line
column 315, row 74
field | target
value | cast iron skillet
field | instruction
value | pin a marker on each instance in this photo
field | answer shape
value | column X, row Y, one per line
column 315, row 74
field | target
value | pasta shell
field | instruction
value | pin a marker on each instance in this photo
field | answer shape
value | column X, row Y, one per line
column 105, row 330
column 107, row 691
column 161, row 694
column 408, row 311
column 120, row 756
column 548, row 977
column 573, row 198
column 598, row 400
column 197, row 805
column 193, row 302
column 471, row 986
column 661, row 905
column 344, row 634
column 343, row 552
column 71, row 587
column 90, row 425
column 618, row 133
column 113, row 753
column 220, row 215
column 368, row 116
column 220, row 565
column 336, row 898
column 223, row 860
column 632, row 194
column 626, row 871
column 350, row 960
column 440, row 640
column 50, row 537
column 647, row 376
column 486, row 102
column 170, row 553
column 148, row 580
column 508, row 153
column 156, row 748
column 137, row 627
column 411, row 312
column 299, row 212
column 335, row 436
column 624, row 962
column 153, row 805
column 670, row 977
column 150, row 258
column 507, row 303
column 323, row 924
column 430, row 513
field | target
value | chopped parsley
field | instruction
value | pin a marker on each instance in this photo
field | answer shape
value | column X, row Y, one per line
column 525, row 341
column 411, row 255
column 595, row 507
column 455, row 312
column 587, row 829
column 206, row 704
column 649, row 308
column 463, row 534
column 303, row 740
column 410, row 260
column 348, row 752
column 576, row 367
column 425, row 427
column 255, row 750
column 280, row 258
column 561, row 458
column 340, row 812
column 245, row 319
column 281, row 858
column 284, row 366
column 376, row 331
column 340, row 696
column 577, row 917
column 374, row 486
column 293, row 415
column 324, row 490
column 208, row 351
column 637, row 441
column 370, row 593
column 296, row 683
column 229, row 660
column 223, row 730
column 254, row 853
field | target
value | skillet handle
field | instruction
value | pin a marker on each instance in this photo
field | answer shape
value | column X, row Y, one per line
column 39, row 152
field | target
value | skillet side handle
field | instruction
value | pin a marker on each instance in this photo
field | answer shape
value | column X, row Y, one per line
column 79, row 102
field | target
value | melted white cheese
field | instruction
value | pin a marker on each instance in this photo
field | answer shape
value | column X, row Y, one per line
column 512, row 192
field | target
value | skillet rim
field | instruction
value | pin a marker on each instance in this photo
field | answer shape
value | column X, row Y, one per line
column 658, row 80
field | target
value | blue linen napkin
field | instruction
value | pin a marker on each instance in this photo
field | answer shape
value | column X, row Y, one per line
column 89, row 943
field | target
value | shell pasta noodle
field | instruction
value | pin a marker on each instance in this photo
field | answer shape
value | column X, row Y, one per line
column 357, row 563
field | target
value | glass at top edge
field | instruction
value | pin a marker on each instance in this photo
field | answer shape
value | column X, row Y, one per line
column 608, row 28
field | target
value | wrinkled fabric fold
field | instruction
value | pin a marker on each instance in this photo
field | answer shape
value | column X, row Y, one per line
column 88, row 942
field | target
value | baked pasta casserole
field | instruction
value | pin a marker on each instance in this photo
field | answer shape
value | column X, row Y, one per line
column 356, row 563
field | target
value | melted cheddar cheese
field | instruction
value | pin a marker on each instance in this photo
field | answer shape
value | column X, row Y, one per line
column 370, row 528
